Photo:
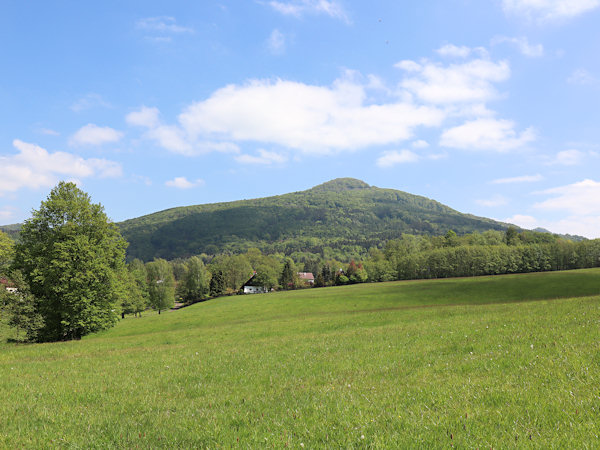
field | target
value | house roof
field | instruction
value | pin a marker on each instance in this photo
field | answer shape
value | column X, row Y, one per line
column 306, row 275
column 6, row 282
column 252, row 282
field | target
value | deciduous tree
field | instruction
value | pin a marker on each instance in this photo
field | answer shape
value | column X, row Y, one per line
column 161, row 284
column 195, row 281
column 72, row 258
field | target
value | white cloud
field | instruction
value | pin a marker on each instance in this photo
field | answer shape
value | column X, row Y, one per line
column 583, row 78
column 586, row 226
column 486, row 134
column 173, row 137
column 522, row 44
column 354, row 112
column 144, row 117
column 393, row 157
column 496, row 200
column 33, row 167
column 469, row 81
column 298, row 8
column 311, row 119
column 453, row 51
column 264, row 157
column 567, row 158
column 523, row 221
column 549, row 10
column 90, row 101
column 521, row 179
column 161, row 24
column 408, row 66
column 578, row 205
column 276, row 42
column 91, row 134
column 580, row 198
column 575, row 225
column 183, row 183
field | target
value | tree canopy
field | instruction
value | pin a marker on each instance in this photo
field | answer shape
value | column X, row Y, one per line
column 161, row 284
column 6, row 251
column 73, row 261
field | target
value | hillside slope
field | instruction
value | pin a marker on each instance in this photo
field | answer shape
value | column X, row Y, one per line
column 344, row 213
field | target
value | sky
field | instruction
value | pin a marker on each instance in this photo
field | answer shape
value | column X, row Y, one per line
column 488, row 106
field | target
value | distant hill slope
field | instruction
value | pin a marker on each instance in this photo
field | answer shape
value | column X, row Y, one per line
column 342, row 213
column 11, row 230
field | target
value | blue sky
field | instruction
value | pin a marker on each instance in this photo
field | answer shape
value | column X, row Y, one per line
column 488, row 106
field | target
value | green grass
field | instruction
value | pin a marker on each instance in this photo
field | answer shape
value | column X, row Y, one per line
column 465, row 362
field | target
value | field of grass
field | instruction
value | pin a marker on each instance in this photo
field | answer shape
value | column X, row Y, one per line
column 505, row 361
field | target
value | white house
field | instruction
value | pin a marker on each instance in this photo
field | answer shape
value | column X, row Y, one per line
column 253, row 287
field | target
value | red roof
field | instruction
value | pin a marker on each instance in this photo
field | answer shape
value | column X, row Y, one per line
column 5, row 282
column 306, row 276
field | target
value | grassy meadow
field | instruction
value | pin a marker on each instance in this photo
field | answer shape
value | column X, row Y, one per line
column 505, row 361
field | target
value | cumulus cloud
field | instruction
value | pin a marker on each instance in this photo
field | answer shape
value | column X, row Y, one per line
column 579, row 198
column 34, row 167
column 311, row 119
column 276, row 42
column 523, row 221
column 183, row 183
column 453, row 51
column 486, row 134
column 577, row 205
column 91, row 134
column 469, row 81
column 549, row 10
column 393, row 157
column 299, row 8
column 144, row 117
column 586, row 226
column 264, row 158
column 173, row 137
column 354, row 112
column 522, row 44
column 521, row 179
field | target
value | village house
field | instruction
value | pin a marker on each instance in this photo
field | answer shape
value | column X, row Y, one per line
column 306, row 277
column 6, row 284
column 252, row 286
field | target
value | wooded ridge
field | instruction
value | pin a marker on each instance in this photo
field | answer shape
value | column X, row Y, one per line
column 341, row 219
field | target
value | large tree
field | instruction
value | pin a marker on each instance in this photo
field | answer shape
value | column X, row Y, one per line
column 73, row 260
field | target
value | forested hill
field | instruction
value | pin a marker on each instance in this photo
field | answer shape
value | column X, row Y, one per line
column 340, row 218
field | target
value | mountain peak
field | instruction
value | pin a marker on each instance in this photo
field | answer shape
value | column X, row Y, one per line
column 341, row 185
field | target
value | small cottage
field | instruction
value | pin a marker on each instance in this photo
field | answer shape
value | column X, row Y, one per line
column 306, row 277
column 6, row 284
column 253, row 286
